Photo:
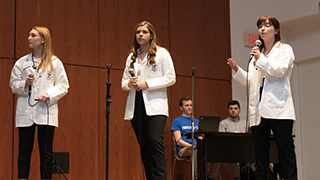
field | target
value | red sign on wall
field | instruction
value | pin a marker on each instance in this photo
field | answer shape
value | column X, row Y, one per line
column 250, row 39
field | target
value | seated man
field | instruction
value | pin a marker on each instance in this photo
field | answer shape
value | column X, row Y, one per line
column 182, row 125
column 231, row 124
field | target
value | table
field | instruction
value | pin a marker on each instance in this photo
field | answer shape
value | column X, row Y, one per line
column 227, row 147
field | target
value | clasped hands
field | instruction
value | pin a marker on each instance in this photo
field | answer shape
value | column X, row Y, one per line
column 136, row 84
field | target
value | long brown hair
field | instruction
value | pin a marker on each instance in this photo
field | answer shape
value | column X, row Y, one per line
column 153, row 44
column 273, row 21
column 46, row 62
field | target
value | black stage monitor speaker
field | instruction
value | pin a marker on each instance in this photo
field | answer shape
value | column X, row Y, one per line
column 60, row 162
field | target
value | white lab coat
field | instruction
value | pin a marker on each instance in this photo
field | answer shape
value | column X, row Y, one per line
column 158, row 78
column 55, row 85
column 276, row 100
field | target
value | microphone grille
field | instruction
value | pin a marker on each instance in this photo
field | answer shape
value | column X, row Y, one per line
column 258, row 43
column 31, row 75
column 131, row 70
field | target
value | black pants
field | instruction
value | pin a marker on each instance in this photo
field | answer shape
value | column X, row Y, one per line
column 149, row 133
column 45, row 140
column 282, row 130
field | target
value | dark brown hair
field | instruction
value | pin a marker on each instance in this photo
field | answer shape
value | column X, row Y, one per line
column 186, row 98
column 234, row 102
column 273, row 21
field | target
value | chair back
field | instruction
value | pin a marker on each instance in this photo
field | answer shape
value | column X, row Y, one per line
column 176, row 154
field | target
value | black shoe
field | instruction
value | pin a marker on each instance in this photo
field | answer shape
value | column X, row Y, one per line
column 210, row 179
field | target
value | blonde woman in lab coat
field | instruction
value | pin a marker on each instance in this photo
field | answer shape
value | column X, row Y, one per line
column 39, row 80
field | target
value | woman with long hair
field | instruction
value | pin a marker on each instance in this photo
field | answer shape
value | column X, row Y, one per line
column 270, row 100
column 39, row 80
column 148, row 72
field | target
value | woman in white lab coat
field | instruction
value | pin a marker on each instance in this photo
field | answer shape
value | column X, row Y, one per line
column 149, row 71
column 270, row 100
column 39, row 80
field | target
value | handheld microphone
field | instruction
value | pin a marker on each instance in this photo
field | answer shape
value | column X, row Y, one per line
column 257, row 44
column 131, row 71
column 31, row 76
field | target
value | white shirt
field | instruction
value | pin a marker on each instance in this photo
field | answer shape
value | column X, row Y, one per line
column 276, row 100
column 158, row 77
column 55, row 85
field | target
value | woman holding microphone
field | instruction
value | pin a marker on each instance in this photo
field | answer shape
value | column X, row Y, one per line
column 148, row 72
column 270, row 100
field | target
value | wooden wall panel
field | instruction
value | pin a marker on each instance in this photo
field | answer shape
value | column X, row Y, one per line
column 7, row 28
column 200, row 37
column 6, row 120
column 124, row 153
column 73, row 25
column 183, row 170
column 117, row 20
column 78, row 123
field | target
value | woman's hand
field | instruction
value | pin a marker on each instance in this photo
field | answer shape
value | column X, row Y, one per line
column 256, row 52
column 133, row 81
column 29, row 82
column 233, row 64
column 136, row 84
column 43, row 97
column 140, row 86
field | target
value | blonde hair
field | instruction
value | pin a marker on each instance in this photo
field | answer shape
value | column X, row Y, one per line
column 153, row 44
column 46, row 62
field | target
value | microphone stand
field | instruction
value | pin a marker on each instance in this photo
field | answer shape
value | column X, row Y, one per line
column 257, row 44
column 108, row 101
column 247, row 91
column 193, row 69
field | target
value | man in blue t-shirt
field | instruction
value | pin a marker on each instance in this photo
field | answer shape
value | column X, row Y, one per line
column 182, row 125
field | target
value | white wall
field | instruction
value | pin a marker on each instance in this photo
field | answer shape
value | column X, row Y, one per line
column 304, row 36
column 300, row 27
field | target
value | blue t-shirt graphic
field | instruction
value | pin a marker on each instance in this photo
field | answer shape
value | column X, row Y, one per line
column 183, row 124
